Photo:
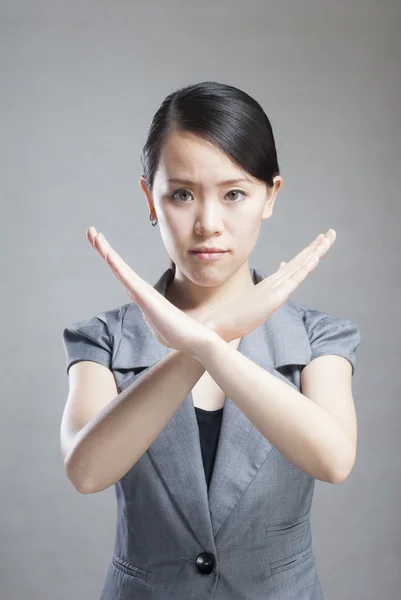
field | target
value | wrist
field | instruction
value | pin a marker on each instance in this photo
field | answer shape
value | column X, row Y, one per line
column 204, row 345
column 213, row 326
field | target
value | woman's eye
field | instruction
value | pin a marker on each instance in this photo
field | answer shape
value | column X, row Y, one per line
column 236, row 192
column 173, row 195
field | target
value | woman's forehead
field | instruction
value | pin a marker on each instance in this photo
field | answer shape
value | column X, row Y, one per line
column 196, row 162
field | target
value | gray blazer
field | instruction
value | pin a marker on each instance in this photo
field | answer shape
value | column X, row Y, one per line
column 249, row 535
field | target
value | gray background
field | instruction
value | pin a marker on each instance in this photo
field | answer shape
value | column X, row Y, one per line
column 80, row 82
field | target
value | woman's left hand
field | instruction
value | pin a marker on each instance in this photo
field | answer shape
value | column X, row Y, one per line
column 251, row 308
column 170, row 326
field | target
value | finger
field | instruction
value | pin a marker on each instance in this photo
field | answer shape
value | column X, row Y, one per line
column 101, row 245
column 121, row 270
column 114, row 260
column 111, row 257
column 91, row 234
column 291, row 280
column 94, row 238
column 287, row 269
column 317, row 248
column 308, row 265
column 131, row 281
column 137, row 288
column 315, row 252
column 304, row 256
column 321, row 249
column 303, row 271
column 309, row 260
column 325, row 244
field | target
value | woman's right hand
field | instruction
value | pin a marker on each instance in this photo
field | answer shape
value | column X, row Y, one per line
column 253, row 307
column 169, row 325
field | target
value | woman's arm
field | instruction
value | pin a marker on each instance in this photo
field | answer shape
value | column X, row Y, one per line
column 305, row 433
column 108, row 446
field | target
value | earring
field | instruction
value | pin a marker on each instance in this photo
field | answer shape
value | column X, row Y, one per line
column 154, row 222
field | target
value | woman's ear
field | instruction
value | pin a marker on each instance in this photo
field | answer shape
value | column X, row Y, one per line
column 148, row 198
column 271, row 195
column 277, row 182
column 143, row 185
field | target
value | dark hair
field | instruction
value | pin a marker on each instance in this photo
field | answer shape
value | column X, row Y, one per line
column 225, row 116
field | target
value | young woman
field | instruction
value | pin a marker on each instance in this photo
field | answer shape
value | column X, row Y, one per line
column 211, row 401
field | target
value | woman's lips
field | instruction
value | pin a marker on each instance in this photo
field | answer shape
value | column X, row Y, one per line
column 208, row 255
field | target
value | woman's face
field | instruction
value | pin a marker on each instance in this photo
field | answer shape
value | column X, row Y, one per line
column 199, row 209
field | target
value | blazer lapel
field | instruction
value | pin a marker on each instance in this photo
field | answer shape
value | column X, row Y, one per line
column 176, row 453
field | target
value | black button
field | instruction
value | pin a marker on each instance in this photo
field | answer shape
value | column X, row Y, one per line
column 205, row 562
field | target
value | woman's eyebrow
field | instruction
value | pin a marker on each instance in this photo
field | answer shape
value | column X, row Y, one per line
column 220, row 183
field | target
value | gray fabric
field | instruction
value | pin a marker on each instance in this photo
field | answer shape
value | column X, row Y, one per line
column 255, row 518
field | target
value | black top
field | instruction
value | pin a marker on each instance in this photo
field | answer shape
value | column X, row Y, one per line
column 209, row 422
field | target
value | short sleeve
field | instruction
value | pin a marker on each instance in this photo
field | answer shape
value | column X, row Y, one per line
column 88, row 340
column 329, row 334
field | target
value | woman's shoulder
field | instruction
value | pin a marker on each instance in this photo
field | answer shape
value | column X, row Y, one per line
column 329, row 333
column 95, row 337
column 311, row 316
column 110, row 319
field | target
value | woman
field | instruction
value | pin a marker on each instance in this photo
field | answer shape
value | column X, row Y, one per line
column 188, row 399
